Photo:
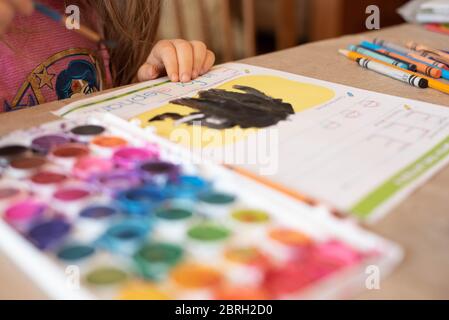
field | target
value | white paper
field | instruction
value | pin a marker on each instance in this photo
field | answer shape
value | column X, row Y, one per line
column 361, row 151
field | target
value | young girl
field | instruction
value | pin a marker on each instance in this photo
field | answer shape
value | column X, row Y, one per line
column 41, row 60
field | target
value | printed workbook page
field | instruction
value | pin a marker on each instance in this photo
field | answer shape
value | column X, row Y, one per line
column 361, row 151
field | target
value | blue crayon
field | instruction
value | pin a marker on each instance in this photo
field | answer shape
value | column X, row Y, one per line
column 375, row 47
column 371, row 45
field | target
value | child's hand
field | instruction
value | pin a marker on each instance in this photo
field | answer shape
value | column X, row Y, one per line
column 9, row 8
column 181, row 60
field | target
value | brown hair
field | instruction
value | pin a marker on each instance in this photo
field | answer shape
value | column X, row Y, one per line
column 132, row 25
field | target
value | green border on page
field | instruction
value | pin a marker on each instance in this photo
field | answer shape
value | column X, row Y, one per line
column 113, row 97
column 402, row 179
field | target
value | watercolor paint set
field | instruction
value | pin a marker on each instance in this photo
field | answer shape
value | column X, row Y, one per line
column 97, row 208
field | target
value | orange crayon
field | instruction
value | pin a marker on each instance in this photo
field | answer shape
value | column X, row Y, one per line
column 422, row 58
column 420, row 67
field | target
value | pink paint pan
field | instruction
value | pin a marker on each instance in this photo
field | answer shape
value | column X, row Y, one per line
column 86, row 167
column 23, row 214
column 131, row 157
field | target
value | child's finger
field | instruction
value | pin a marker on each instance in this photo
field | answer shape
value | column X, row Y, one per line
column 209, row 62
column 6, row 15
column 165, row 53
column 148, row 72
column 23, row 6
column 184, row 53
column 199, row 57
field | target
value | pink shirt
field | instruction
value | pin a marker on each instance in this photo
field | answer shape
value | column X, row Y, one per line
column 42, row 61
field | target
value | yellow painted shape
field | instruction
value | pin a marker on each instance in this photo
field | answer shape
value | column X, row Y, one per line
column 301, row 96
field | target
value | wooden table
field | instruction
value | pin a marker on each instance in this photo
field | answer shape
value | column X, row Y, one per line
column 420, row 224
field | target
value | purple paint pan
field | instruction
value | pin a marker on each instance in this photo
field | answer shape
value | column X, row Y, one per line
column 116, row 181
column 160, row 172
column 44, row 144
column 49, row 234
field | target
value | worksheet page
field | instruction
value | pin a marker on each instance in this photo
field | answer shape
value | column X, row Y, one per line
column 360, row 151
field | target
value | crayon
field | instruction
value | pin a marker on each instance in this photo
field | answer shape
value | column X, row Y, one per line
column 391, row 46
column 434, row 84
column 399, row 57
column 420, row 67
column 434, row 57
column 429, row 61
column 370, row 45
column 378, row 56
column 420, row 47
column 383, row 69
column 83, row 30
column 415, row 55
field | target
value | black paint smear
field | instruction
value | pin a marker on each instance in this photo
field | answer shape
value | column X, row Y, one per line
column 221, row 109
column 167, row 115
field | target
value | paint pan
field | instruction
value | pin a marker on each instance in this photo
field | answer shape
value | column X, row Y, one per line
column 75, row 254
column 140, row 290
column 22, row 167
column 282, row 243
column 23, row 215
column 9, row 152
column 106, row 280
column 195, row 281
column 188, row 187
column 132, row 157
column 245, row 266
column 45, row 183
column 206, row 241
column 241, row 292
column 67, row 154
column 70, row 200
column 105, row 146
column 85, row 133
column 141, row 201
column 10, row 193
column 115, row 181
column 93, row 222
column 251, row 224
column 49, row 233
column 215, row 204
column 316, row 262
column 125, row 237
column 154, row 260
column 160, row 172
column 172, row 223
column 44, row 144
column 332, row 255
column 86, row 167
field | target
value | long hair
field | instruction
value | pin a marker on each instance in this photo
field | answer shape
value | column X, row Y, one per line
column 132, row 25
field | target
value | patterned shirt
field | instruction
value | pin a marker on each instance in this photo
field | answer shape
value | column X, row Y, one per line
column 42, row 61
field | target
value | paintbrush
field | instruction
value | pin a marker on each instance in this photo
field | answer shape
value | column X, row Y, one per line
column 286, row 191
column 83, row 30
